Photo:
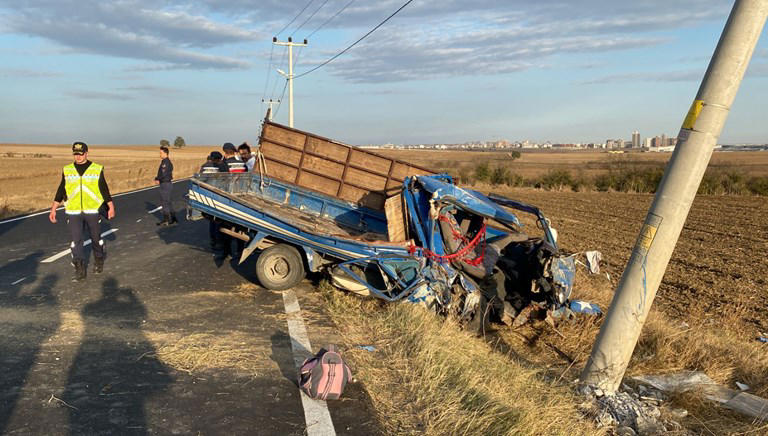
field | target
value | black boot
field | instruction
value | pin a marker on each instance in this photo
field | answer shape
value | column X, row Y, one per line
column 98, row 265
column 165, row 221
column 80, row 271
column 173, row 219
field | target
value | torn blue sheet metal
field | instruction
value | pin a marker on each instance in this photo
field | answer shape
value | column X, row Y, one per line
column 563, row 272
column 578, row 306
column 471, row 201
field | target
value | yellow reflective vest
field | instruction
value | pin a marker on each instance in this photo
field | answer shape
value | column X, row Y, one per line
column 83, row 193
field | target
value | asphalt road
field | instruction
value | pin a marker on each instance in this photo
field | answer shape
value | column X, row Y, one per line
column 85, row 358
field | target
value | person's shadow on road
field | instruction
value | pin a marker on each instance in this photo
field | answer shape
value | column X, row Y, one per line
column 116, row 368
column 28, row 320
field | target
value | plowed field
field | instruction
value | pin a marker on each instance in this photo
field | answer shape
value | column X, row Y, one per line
column 719, row 266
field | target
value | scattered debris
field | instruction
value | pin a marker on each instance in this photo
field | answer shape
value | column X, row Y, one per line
column 370, row 348
column 763, row 339
column 688, row 381
column 742, row 386
column 578, row 306
column 627, row 411
column 593, row 261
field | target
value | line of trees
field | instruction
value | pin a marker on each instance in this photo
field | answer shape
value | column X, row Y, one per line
column 177, row 143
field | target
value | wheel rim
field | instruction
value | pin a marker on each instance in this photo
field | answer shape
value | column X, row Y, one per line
column 277, row 269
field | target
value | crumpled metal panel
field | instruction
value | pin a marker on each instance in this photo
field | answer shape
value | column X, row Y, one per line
column 563, row 272
column 471, row 201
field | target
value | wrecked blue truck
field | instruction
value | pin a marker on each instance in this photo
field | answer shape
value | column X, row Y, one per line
column 456, row 251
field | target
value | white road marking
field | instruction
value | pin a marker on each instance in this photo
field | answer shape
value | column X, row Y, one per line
column 316, row 414
column 155, row 209
column 116, row 195
column 18, row 281
column 138, row 220
column 58, row 256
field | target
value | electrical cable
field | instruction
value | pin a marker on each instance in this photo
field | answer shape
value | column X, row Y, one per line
column 329, row 20
column 294, row 18
column 309, row 18
column 356, row 42
column 280, row 102
column 281, row 65
column 269, row 70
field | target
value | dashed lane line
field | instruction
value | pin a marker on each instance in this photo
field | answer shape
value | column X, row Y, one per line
column 18, row 281
column 155, row 209
column 58, row 256
column 316, row 414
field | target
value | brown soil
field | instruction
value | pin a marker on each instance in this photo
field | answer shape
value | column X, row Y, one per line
column 720, row 263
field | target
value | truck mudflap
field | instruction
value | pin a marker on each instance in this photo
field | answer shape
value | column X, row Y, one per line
column 461, row 266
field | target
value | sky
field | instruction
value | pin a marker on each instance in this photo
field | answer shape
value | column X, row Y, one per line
column 138, row 71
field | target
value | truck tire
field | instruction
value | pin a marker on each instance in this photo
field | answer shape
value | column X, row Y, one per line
column 280, row 267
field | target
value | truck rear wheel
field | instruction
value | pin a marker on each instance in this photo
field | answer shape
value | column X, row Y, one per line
column 280, row 267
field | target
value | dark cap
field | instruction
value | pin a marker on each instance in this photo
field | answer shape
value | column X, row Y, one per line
column 228, row 146
column 215, row 155
column 79, row 148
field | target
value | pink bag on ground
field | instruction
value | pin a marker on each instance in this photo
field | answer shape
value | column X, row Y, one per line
column 325, row 375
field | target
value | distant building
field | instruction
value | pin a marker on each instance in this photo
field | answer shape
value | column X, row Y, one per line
column 635, row 139
column 648, row 142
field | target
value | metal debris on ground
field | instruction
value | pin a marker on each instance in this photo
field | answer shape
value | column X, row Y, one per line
column 629, row 411
column 695, row 381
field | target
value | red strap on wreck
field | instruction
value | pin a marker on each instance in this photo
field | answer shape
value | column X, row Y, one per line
column 459, row 255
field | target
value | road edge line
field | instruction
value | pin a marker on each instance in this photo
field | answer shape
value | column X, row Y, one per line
column 316, row 414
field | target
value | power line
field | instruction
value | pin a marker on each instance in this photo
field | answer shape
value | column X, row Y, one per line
column 280, row 101
column 269, row 70
column 281, row 65
column 329, row 20
column 294, row 18
column 309, row 18
column 356, row 42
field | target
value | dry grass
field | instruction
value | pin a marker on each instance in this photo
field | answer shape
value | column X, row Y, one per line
column 428, row 376
column 204, row 351
column 702, row 343
column 32, row 172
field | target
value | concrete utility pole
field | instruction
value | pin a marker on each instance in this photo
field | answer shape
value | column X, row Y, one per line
column 289, row 76
column 270, row 102
column 697, row 138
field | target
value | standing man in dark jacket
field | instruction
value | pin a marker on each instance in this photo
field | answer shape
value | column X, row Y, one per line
column 231, row 158
column 165, row 180
column 85, row 189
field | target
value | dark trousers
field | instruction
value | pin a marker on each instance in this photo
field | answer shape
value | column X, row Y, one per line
column 165, row 197
column 76, row 224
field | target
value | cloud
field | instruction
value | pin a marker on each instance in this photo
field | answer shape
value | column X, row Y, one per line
column 132, row 29
column 27, row 74
column 410, row 56
column 494, row 37
column 427, row 39
column 97, row 95
column 668, row 76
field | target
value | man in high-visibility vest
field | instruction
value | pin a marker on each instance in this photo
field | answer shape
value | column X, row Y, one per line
column 85, row 190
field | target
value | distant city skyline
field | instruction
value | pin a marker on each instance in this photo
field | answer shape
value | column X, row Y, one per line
column 136, row 71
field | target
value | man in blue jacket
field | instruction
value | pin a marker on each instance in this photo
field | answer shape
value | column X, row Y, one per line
column 164, row 179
